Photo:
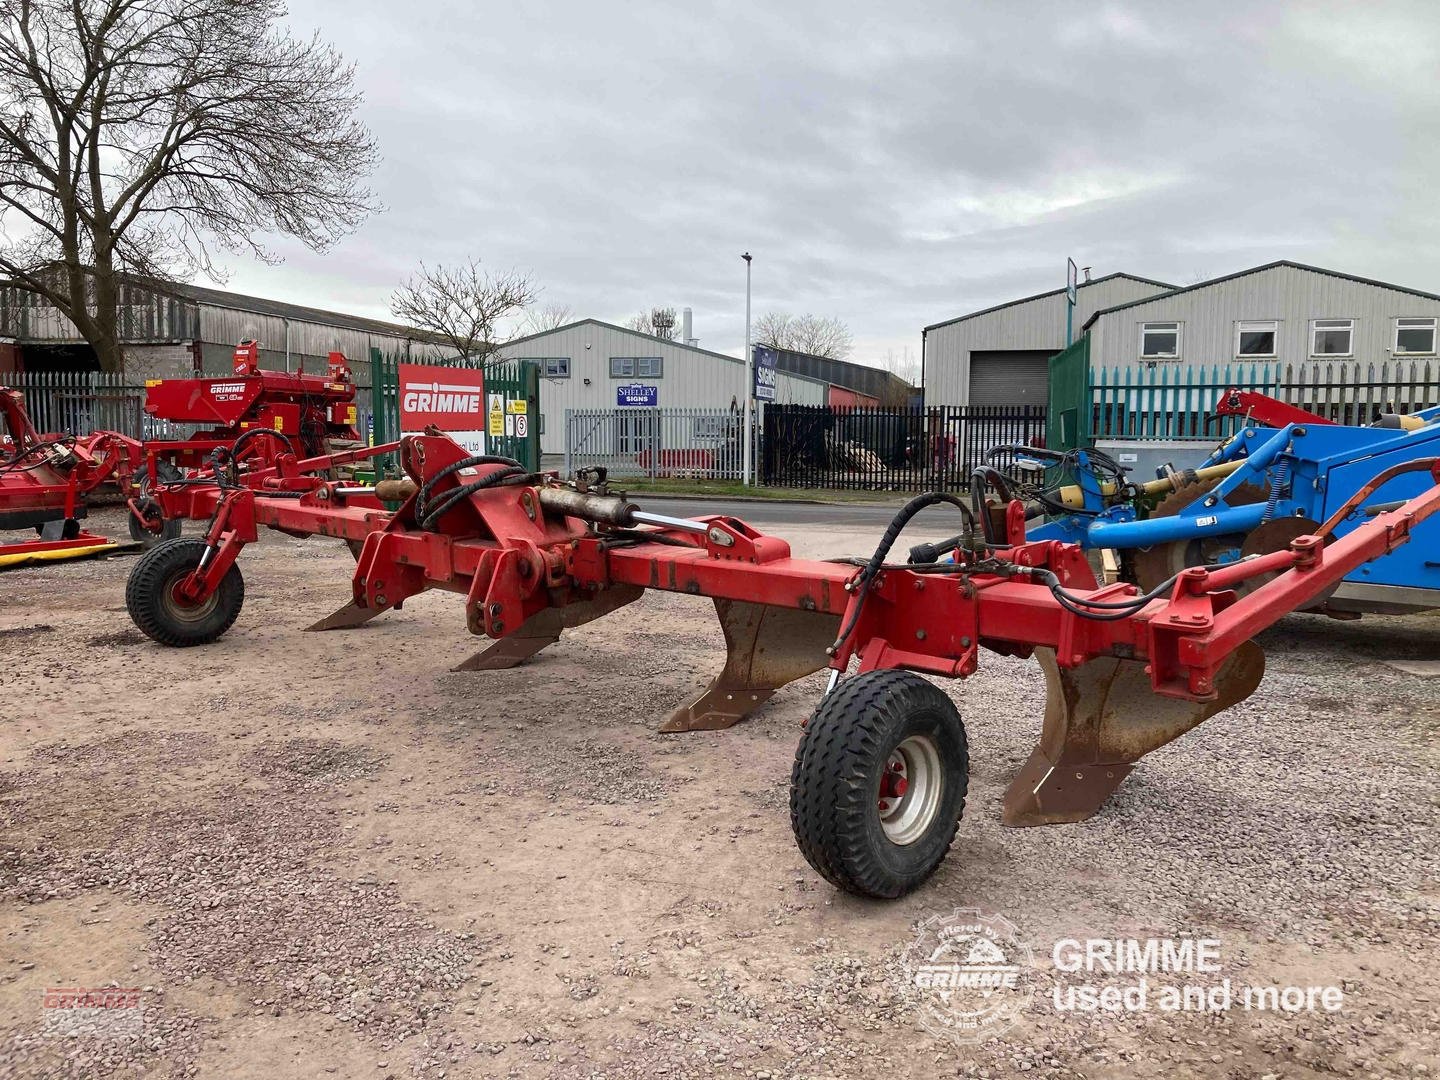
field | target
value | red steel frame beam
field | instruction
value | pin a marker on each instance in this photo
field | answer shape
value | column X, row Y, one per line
column 513, row 560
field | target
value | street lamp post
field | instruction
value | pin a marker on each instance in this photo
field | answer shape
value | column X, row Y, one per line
column 749, row 375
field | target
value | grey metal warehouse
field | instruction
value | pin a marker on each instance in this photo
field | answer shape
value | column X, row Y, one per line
column 1282, row 313
column 175, row 330
column 1000, row 356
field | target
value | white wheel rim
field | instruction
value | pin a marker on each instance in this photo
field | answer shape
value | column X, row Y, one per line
column 909, row 796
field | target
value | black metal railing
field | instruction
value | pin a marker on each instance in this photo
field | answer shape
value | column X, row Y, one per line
column 888, row 448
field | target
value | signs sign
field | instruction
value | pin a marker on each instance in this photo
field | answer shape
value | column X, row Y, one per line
column 765, row 361
column 451, row 399
column 637, row 395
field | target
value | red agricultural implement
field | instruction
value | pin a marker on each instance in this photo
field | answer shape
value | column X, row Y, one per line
column 273, row 412
column 881, row 773
column 44, row 480
column 248, row 419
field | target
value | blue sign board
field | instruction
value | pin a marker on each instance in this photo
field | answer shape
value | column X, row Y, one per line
column 635, row 394
column 765, row 361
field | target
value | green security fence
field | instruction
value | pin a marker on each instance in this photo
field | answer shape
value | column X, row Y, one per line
column 517, row 380
column 1170, row 401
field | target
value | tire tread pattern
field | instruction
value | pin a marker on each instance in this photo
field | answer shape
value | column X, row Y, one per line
column 830, row 797
column 147, row 579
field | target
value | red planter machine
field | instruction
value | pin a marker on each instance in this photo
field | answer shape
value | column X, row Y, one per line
column 256, row 414
column 880, row 776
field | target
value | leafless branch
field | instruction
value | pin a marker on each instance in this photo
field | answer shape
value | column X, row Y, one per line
column 549, row 317
column 466, row 306
column 137, row 134
column 817, row 335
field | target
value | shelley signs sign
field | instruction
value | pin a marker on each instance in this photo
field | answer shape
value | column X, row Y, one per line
column 636, row 395
column 451, row 399
column 765, row 361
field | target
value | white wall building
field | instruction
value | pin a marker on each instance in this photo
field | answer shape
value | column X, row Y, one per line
column 595, row 365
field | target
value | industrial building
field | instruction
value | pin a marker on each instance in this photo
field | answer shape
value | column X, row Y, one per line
column 1000, row 356
column 596, row 365
column 170, row 329
column 1282, row 312
column 1279, row 313
column 849, row 384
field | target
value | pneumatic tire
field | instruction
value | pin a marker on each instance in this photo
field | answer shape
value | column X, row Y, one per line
column 879, row 783
column 169, row 530
column 161, row 615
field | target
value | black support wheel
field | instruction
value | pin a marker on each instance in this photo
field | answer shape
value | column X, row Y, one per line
column 879, row 783
column 169, row 530
column 151, row 596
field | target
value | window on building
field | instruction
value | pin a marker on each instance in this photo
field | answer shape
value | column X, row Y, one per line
column 1256, row 338
column 555, row 367
column 1415, row 336
column 630, row 367
column 1332, row 337
column 1159, row 340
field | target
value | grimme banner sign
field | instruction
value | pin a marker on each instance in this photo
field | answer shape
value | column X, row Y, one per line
column 451, row 399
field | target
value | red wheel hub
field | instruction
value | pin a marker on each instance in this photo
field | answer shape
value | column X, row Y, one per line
column 893, row 783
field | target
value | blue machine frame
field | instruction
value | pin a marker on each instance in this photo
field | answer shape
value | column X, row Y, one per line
column 1307, row 471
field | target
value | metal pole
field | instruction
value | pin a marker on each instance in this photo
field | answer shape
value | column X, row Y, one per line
column 749, row 376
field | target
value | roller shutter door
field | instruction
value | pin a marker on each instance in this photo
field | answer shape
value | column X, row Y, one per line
column 1010, row 378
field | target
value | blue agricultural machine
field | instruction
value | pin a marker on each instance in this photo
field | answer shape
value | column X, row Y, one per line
column 1282, row 475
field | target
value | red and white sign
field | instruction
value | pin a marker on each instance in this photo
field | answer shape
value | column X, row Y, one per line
column 451, row 399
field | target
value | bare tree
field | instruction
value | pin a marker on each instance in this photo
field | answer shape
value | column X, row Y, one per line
column 464, row 306
column 659, row 322
column 549, row 317
column 134, row 133
column 818, row 335
column 904, row 365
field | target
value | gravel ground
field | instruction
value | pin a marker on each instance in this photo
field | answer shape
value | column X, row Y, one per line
column 329, row 854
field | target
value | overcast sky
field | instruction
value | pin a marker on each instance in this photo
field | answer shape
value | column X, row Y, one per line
column 893, row 164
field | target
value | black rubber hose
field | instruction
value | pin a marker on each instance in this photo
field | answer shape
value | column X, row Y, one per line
column 897, row 525
column 255, row 433
column 453, row 497
column 979, row 478
column 423, row 495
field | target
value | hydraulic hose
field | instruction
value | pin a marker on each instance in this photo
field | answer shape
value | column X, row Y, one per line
column 872, row 568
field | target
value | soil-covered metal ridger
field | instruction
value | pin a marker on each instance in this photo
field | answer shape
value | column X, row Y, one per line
column 879, row 780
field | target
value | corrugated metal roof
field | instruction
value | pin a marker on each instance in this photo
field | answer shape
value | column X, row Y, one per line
column 672, row 342
column 1049, row 292
column 1256, row 270
column 281, row 309
column 871, row 381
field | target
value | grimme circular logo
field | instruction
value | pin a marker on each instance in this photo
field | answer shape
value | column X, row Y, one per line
column 970, row 973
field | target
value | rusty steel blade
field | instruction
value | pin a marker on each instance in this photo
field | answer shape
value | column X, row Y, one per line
column 1100, row 719
column 765, row 648
column 347, row 617
column 543, row 629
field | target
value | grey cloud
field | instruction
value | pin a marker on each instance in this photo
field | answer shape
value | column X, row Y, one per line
column 890, row 164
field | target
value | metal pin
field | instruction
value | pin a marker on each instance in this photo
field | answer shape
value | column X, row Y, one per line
column 832, row 682
column 641, row 517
